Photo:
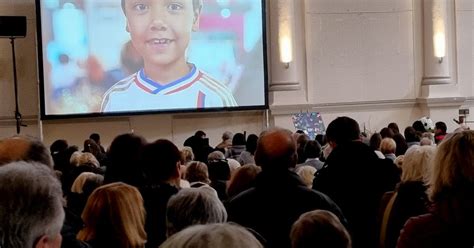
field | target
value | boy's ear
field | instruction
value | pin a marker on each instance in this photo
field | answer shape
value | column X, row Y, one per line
column 197, row 13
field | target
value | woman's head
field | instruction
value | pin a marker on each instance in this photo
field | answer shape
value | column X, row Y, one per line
column 417, row 163
column 114, row 213
column 453, row 167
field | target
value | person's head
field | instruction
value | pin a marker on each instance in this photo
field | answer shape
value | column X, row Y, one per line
column 114, row 215
column 453, row 167
column 417, row 163
column 84, row 158
column 193, row 206
column 219, row 170
column 386, row 132
column 402, row 145
column 161, row 162
column 197, row 172
column 251, row 144
column 83, row 178
column 440, row 128
column 342, row 130
column 418, row 126
column 123, row 157
column 388, row 145
column 161, row 30
column 187, row 154
column 312, row 149
column 95, row 137
column 227, row 135
column 319, row 228
column 375, row 140
column 58, row 146
column 306, row 173
column 276, row 150
column 213, row 235
column 394, row 127
column 200, row 134
column 238, row 139
column 24, row 148
column 411, row 135
column 215, row 156
column 31, row 209
column 242, row 179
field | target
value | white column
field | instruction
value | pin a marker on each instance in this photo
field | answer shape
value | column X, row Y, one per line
column 436, row 42
column 281, row 43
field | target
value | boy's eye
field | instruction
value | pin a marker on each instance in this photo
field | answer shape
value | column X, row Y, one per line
column 175, row 6
column 140, row 7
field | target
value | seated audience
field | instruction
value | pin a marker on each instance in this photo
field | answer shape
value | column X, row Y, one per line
column 319, row 228
column 31, row 209
column 213, row 235
column 194, row 206
column 197, row 174
column 410, row 197
column 451, row 187
column 238, row 146
column 114, row 216
column 243, row 179
column 312, row 152
column 279, row 197
column 81, row 189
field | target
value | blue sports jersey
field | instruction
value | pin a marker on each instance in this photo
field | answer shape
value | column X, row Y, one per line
column 195, row 90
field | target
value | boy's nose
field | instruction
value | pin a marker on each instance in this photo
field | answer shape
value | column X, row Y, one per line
column 158, row 20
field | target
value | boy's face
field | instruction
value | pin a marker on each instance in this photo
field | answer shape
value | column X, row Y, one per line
column 161, row 29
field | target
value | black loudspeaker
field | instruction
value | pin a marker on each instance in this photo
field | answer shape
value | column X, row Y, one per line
column 12, row 26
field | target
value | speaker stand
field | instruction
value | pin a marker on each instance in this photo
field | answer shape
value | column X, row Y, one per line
column 18, row 117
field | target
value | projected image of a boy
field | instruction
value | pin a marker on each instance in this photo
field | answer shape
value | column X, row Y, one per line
column 160, row 31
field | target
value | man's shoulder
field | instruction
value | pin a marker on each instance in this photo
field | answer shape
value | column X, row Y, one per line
column 217, row 88
column 120, row 87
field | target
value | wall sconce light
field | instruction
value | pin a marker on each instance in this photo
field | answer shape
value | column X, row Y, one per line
column 439, row 33
column 285, row 31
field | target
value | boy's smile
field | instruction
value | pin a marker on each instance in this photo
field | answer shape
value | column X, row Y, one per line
column 160, row 31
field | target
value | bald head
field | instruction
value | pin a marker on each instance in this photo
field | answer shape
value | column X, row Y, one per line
column 276, row 150
column 24, row 148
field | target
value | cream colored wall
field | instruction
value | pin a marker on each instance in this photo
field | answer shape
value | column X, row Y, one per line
column 360, row 58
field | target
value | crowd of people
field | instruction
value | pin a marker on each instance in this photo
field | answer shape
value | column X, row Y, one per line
column 276, row 189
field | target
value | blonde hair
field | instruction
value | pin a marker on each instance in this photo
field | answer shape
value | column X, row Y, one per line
column 78, row 185
column 417, row 163
column 187, row 154
column 115, row 213
column 82, row 158
column 453, row 164
column 388, row 145
column 306, row 173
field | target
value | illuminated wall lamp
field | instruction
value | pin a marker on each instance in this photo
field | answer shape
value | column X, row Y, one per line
column 286, row 53
column 439, row 34
column 285, row 31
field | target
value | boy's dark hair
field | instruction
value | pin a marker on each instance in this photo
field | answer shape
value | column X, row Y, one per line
column 159, row 161
column 441, row 126
column 196, row 5
column 343, row 130
column 95, row 137
column 312, row 149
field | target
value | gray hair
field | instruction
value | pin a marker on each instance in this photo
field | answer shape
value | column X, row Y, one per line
column 215, row 155
column 213, row 235
column 31, row 205
column 193, row 206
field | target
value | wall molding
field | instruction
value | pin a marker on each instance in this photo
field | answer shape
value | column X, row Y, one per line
column 441, row 102
column 285, row 86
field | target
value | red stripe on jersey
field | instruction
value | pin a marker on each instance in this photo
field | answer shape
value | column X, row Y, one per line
column 143, row 87
column 200, row 101
column 183, row 87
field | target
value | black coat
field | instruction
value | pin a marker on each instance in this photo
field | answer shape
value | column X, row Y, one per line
column 274, row 204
